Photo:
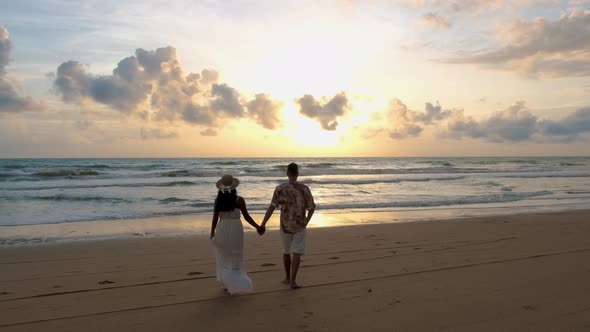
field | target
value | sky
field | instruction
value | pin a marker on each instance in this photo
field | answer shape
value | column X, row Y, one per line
column 333, row 78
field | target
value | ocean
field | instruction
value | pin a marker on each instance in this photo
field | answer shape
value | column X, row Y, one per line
column 52, row 191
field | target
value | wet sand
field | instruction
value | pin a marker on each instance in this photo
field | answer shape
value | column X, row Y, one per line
column 501, row 273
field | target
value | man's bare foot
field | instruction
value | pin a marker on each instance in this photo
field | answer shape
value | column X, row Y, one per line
column 286, row 281
column 294, row 285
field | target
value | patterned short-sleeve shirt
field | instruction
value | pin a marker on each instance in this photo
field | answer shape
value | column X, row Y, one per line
column 293, row 200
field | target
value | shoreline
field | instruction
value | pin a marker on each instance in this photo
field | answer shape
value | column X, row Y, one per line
column 174, row 226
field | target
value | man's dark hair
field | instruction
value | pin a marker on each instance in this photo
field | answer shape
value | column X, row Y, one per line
column 293, row 169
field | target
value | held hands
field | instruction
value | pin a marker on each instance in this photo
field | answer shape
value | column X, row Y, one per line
column 261, row 229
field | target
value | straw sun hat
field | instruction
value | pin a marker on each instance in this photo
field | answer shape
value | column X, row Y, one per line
column 227, row 183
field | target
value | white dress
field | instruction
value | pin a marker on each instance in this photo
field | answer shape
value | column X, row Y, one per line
column 229, row 252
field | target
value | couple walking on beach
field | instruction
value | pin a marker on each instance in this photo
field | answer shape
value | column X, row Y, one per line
column 296, row 205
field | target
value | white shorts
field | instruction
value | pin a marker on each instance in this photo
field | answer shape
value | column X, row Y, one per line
column 293, row 243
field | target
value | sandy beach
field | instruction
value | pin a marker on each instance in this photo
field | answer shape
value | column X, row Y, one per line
column 525, row 272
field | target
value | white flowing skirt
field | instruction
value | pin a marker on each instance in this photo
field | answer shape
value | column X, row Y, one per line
column 229, row 252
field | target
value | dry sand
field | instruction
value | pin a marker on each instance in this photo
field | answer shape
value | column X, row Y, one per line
column 527, row 272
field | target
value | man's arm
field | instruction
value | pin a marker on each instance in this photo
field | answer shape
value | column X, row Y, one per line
column 309, row 215
column 310, row 205
column 269, row 212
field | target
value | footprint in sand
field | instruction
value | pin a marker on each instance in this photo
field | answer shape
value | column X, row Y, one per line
column 58, row 286
column 268, row 264
column 192, row 273
column 5, row 293
column 528, row 307
column 307, row 314
column 335, row 257
column 104, row 282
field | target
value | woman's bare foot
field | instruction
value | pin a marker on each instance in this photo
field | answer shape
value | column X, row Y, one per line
column 294, row 285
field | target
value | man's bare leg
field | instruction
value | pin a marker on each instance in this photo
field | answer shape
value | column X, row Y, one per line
column 294, row 269
column 287, row 263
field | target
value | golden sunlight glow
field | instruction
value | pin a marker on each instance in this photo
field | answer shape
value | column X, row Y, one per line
column 308, row 132
column 316, row 58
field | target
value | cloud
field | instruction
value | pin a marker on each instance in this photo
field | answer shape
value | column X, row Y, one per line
column 540, row 47
column 574, row 3
column 132, row 82
column 434, row 19
column 404, row 123
column 569, row 128
column 83, row 124
column 152, row 85
column 10, row 99
column 440, row 13
column 472, row 6
column 226, row 100
column 514, row 124
column 326, row 112
column 209, row 132
column 123, row 91
column 265, row 111
column 5, row 47
column 155, row 133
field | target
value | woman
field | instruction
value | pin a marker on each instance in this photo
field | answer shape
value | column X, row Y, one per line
column 228, row 236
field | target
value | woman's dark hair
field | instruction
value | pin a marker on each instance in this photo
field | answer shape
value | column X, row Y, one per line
column 226, row 201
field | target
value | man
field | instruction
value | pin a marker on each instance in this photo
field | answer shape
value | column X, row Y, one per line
column 297, row 207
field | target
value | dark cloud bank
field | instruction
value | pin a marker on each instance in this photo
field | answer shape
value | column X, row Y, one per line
column 152, row 84
column 516, row 123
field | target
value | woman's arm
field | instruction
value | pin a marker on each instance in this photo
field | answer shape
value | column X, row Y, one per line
column 242, row 206
column 214, row 220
